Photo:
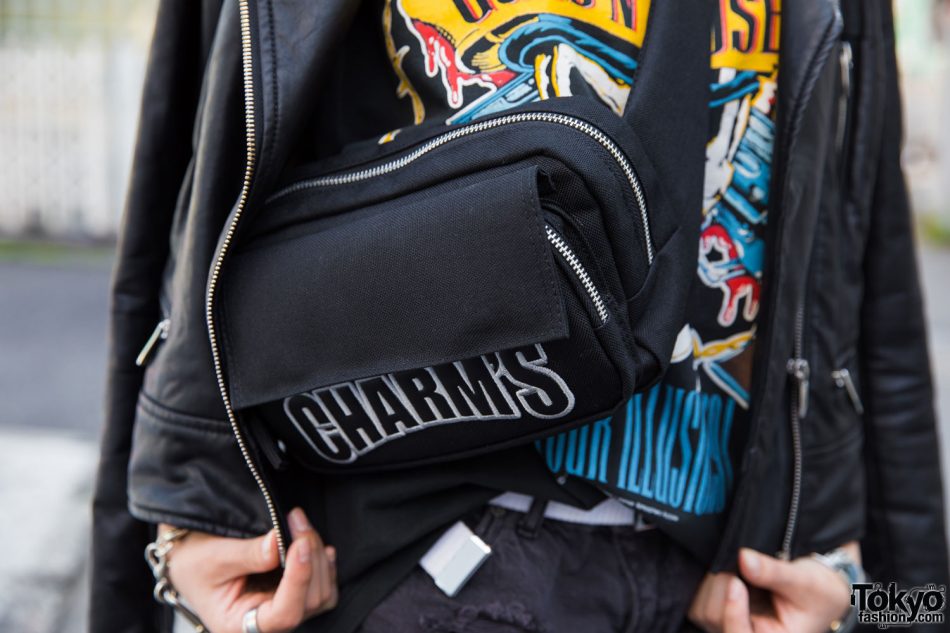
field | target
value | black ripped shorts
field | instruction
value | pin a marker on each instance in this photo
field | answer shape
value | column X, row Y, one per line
column 552, row 577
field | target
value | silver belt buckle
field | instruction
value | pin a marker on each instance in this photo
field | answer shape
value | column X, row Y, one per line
column 455, row 558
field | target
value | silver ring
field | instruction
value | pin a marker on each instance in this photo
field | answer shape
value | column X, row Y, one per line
column 249, row 625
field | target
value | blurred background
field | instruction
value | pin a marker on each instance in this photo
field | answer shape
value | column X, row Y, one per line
column 70, row 79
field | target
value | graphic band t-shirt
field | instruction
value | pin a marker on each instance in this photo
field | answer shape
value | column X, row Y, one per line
column 670, row 451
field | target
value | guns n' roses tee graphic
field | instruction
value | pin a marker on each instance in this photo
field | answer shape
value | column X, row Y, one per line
column 669, row 451
column 484, row 56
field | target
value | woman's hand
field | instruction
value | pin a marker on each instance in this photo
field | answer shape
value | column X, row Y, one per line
column 801, row 596
column 216, row 577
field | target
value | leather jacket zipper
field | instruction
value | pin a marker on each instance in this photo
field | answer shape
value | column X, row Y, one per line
column 846, row 61
column 250, row 117
column 843, row 380
column 159, row 334
column 800, row 372
column 798, row 367
column 575, row 123
column 842, row 377
column 796, row 102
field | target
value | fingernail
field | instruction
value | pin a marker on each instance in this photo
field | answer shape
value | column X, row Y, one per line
column 267, row 543
column 735, row 589
column 751, row 560
column 303, row 550
column 298, row 520
column 331, row 555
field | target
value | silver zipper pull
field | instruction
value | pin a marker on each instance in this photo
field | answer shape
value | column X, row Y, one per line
column 800, row 372
column 843, row 380
column 160, row 333
column 846, row 62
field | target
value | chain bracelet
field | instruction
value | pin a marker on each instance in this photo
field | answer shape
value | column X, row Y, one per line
column 840, row 562
column 156, row 554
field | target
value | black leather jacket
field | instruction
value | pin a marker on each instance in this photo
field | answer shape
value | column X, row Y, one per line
column 842, row 443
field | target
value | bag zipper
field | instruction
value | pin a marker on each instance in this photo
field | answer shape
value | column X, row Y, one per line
column 250, row 114
column 159, row 334
column 800, row 372
column 247, row 63
column 843, row 380
column 473, row 128
column 579, row 271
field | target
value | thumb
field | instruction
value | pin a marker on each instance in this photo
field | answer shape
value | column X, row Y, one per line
column 242, row 557
column 735, row 615
column 767, row 572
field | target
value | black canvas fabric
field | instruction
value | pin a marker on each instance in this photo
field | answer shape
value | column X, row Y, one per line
column 343, row 299
column 450, row 68
column 462, row 289
column 620, row 580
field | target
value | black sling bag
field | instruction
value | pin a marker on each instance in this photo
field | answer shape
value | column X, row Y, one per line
column 466, row 288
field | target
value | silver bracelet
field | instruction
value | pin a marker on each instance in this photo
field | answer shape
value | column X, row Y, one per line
column 848, row 569
column 156, row 554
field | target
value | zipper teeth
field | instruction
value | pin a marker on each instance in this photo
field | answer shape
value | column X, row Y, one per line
column 249, row 168
column 763, row 352
column 798, row 401
column 796, row 482
column 795, row 500
column 561, row 246
column 545, row 117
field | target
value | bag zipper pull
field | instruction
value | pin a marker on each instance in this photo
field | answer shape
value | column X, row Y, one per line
column 160, row 333
column 843, row 380
column 800, row 372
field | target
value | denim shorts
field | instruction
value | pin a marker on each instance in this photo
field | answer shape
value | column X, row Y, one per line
column 552, row 577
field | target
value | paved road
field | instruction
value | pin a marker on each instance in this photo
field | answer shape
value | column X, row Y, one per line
column 52, row 366
column 52, row 357
column 935, row 268
column 52, row 344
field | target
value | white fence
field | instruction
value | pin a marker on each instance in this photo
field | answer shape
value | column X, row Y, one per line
column 70, row 79
column 923, row 28
column 70, row 82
